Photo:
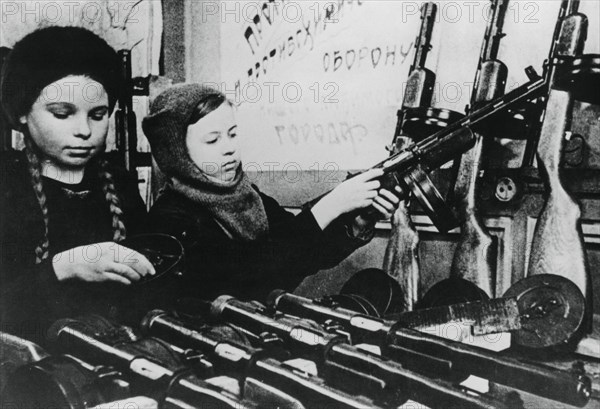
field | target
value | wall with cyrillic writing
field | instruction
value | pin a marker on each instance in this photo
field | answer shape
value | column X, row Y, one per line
column 319, row 82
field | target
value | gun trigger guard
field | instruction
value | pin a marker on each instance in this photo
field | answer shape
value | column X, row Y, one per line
column 199, row 362
column 335, row 327
column 106, row 373
column 191, row 355
column 332, row 325
column 110, row 380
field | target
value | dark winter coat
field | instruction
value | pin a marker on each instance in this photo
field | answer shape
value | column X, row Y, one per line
column 31, row 296
column 216, row 264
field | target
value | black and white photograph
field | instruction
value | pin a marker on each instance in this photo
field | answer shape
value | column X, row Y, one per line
column 300, row 204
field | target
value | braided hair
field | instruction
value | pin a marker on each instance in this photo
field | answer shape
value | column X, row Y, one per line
column 114, row 203
column 39, row 59
column 35, row 171
column 108, row 188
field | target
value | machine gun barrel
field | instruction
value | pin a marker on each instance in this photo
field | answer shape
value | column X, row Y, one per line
column 414, row 348
column 423, row 43
column 242, row 361
column 490, row 80
column 420, row 82
column 347, row 366
column 179, row 389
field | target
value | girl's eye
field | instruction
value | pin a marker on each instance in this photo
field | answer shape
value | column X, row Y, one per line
column 232, row 134
column 99, row 114
column 61, row 114
column 60, row 110
column 211, row 138
column 98, row 117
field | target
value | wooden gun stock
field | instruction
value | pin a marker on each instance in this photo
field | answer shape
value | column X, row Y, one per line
column 558, row 246
column 475, row 256
column 401, row 259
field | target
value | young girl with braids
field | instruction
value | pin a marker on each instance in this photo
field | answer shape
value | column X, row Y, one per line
column 238, row 240
column 63, row 207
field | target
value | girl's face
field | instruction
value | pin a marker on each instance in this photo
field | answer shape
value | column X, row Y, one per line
column 69, row 121
column 213, row 145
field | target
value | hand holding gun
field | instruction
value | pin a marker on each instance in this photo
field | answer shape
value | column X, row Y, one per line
column 401, row 254
column 409, row 167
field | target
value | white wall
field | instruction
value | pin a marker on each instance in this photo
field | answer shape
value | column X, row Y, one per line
column 347, row 110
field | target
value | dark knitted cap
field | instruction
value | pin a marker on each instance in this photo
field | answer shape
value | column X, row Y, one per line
column 166, row 125
column 50, row 54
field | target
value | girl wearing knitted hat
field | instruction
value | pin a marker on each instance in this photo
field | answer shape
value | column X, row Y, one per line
column 64, row 208
column 238, row 240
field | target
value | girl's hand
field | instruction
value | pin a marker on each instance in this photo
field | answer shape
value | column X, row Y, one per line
column 386, row 204
column 353, row 194
column 101, row 262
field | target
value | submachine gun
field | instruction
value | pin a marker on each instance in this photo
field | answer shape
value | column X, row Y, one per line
column 558, row 246
column 409, row 167
column 401, row 255
column 149, row 365
column 474, row 257
column 64, row 381
column 417, row 119
column 345, row 366
column 472, row 272
column 31, row 378
column 256, row 369
column 432, row 355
